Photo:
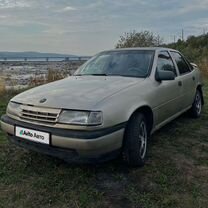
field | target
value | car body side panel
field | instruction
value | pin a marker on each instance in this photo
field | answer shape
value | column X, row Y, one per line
column 189, row 83
column 166, row 97
column 163, row 102
column 189, row 88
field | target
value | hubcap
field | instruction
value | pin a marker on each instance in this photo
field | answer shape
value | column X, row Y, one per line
column 143, row 139
column 198, row 103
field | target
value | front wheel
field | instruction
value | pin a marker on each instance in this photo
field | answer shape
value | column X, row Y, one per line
column 197, row 105
column 135, row 141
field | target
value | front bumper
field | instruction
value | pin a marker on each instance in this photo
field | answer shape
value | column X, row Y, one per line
column 69, row 144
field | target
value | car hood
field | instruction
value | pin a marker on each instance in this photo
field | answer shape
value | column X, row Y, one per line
column 75, row 92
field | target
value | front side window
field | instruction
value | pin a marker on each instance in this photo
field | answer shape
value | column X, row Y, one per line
column 165, row 62
column 119, row 63
column 183, row 67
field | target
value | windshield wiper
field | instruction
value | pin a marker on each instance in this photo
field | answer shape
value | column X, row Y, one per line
column 119, row 75
column 91, row 74
column 99, row 74
column 94, row 74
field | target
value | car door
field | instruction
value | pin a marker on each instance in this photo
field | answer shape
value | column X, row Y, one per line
column 168, row 92
column 188, row 79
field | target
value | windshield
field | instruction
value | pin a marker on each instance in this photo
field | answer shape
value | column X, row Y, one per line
column 135, row 63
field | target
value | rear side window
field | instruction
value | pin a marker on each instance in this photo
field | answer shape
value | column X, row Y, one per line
column 165, row 62
column 183, row 67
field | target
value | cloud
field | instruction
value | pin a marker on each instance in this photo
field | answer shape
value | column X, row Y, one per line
column 85, row 27
column 9, row 4
column 67, row 8
column 194, row 7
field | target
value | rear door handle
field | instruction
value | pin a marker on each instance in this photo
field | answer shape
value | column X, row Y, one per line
column 193, row 78
column 180, row 83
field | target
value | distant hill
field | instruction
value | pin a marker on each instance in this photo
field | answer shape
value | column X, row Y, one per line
column 32, row 54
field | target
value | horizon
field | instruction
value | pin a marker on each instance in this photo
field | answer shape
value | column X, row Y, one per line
column 80, row 28
column 78, row 55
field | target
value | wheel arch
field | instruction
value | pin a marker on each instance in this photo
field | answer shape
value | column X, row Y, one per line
column 148, row 113
column 199, row 87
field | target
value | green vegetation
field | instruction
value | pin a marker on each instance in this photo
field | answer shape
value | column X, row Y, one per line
column 195, row 49
column 138, row 39
column 175, row 174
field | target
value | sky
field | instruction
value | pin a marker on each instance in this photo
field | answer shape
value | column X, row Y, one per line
column 85, row 27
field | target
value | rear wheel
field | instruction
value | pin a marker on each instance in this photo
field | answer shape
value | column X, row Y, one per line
column 136, row 141
column 197, row 105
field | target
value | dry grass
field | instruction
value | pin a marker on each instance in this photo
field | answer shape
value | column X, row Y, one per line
column 2, row 86
column 203, row 65
column 54, row 75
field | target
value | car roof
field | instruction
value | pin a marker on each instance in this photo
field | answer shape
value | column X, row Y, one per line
column 141, row 48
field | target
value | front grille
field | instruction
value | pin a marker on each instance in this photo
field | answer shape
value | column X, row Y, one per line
column 41, row 115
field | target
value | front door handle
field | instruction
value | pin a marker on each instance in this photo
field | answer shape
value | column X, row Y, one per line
column 180, row 83
column 193, row 78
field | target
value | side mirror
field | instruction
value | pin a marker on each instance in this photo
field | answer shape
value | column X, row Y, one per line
column 164, row 75
column 193, row 65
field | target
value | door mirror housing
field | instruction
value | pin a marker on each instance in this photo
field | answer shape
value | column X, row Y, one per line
column 164, row 75
column 193, row 66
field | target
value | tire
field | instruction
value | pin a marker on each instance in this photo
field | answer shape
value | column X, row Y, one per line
column 196, row 108
column 136, row 141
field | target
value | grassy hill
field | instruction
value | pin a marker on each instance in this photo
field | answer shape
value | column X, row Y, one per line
column 175, row 174
column 195, row 48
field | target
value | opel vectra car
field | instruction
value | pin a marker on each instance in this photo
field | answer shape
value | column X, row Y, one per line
column 109, row 107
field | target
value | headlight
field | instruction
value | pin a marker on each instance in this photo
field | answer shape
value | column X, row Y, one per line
column 81, row 117
column 13, row 108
